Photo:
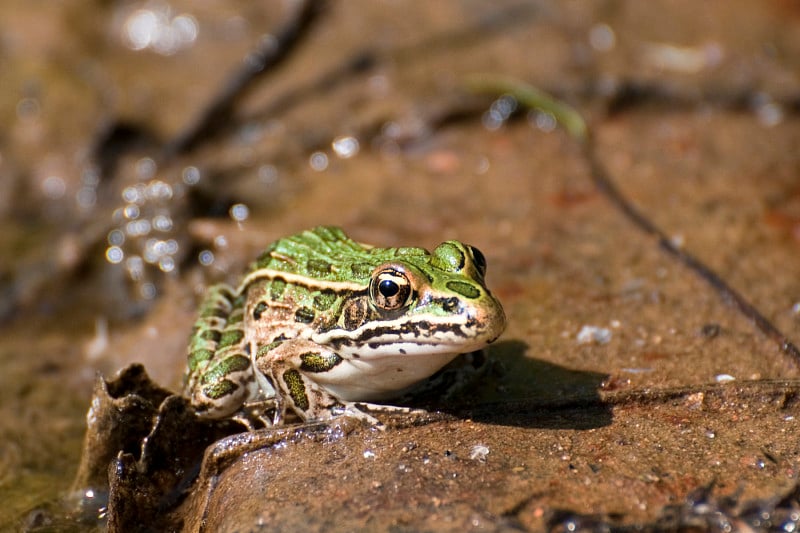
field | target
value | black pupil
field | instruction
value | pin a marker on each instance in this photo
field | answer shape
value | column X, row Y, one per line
column 388, row 288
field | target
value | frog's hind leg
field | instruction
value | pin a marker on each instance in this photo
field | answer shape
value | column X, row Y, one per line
column 220, row 377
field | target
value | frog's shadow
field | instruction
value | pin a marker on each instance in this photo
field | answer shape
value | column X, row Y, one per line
column 521, row 391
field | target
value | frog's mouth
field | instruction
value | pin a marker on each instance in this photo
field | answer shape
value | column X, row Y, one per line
column 406, row 337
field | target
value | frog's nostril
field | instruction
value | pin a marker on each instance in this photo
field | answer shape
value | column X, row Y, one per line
column 450, row 305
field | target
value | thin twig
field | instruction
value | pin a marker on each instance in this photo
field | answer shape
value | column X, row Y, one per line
column 575, row 125
column 269, row 54
column 729, row 295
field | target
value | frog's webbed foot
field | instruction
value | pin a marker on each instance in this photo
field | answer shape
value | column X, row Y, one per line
column 353, row 410
column 391, row 409
column 256, row 414
column 412, row 412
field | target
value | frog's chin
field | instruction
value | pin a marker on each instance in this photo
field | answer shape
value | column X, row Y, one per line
column 378, row 378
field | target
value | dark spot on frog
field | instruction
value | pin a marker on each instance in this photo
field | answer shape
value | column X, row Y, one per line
column 318, row 267
column 259, row 309
column 402, row 351
column 198, row 356
column 230, row 337
column 264, row 349
column 318, row 362
column 217, row 372
column 236, row 317
column 450, row 304
column 324, row 300
column 463, row 288
column 213, row 311
column 296, row 388
column 220, row 389
column 211, row 335
column 305, row 315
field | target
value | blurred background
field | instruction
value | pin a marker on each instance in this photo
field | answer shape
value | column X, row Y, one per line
column 142, row 157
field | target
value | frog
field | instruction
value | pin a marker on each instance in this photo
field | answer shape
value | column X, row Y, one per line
column 321, row 326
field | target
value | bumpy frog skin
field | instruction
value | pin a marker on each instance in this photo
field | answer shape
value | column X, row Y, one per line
column 320, row 321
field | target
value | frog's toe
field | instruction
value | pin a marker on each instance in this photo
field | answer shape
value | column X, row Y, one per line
column 353, row 411
column 257, row 414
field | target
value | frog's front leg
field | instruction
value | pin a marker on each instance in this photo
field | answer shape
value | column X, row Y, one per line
column 220, row 376
column 290, row 367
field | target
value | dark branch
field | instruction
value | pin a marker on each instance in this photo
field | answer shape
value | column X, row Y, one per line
column 729, row 295
column 270, row 53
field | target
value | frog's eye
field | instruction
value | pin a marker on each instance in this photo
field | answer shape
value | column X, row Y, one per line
column 390, row 289
column 479, row 260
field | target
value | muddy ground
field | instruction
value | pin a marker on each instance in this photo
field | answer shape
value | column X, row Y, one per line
column 119, row 204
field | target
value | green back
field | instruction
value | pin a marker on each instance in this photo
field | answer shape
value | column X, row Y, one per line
column 326, row 253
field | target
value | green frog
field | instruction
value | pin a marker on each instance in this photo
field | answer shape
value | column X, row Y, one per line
column 320, row 324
